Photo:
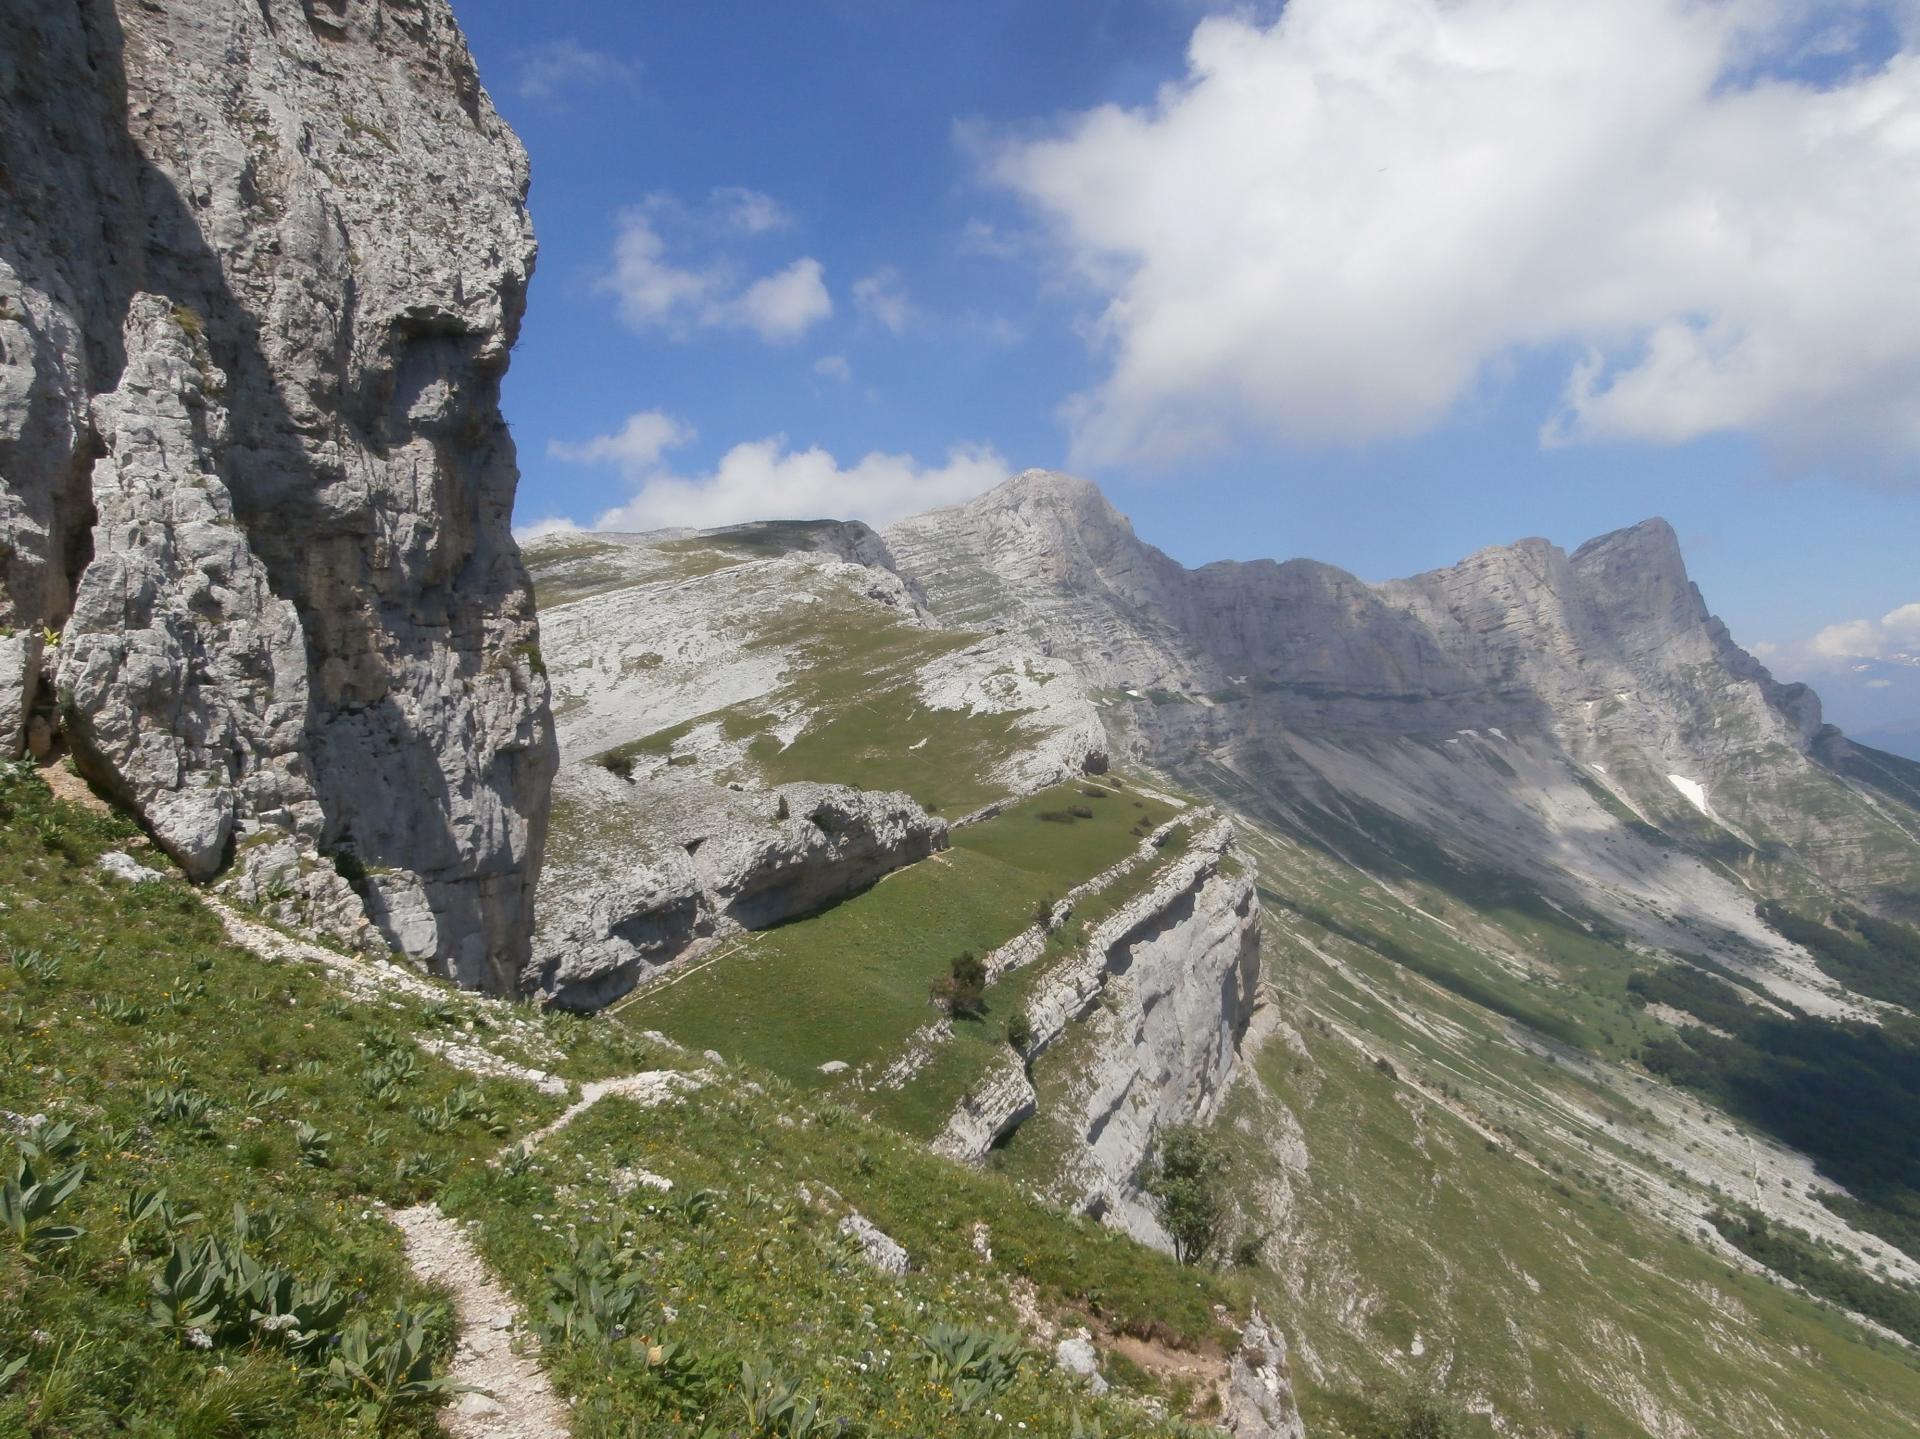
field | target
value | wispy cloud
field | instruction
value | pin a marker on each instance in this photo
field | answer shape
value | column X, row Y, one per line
column 750, row 212
column 553, row 69
column 882, row 298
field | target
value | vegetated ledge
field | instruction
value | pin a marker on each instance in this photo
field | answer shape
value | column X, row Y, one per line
column 719, row 864
column 1170, row 978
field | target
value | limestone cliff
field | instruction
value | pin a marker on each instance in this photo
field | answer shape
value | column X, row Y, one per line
column 661, row 869
column 1136, row 1029
column 1534, row 709
column 261, row 267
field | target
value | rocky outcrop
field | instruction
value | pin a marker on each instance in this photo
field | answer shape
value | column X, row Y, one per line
column 1257, row 1401
column 1153, row 1002
column 1510, row 637
column 261, row 267
column 670, row 866
column 19, row 687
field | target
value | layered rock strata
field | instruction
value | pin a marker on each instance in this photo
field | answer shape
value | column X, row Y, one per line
column 1161, row 991
column 261, row 267
column 1528, row 707
column 688, row 665
column 683, row 865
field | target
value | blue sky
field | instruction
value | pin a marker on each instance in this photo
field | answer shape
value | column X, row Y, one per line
column 1374, row 281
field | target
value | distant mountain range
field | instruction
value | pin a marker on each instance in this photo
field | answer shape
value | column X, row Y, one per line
column 1902, row 738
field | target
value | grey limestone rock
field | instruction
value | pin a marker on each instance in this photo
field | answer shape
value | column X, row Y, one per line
column 878, row 1248
column 1077, row 1356
column 19, row 684
column 1528, row 707
column 675, row 861
column 261, row 266
column 118, row 864
column 1257, row 1401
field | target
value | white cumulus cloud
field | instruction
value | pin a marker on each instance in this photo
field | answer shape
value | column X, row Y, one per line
column 766, row 480
column 653, row 291
column 784, row 306
column 833, row 367
column 1892, row 636
column 1341, row 224
column 539, row 529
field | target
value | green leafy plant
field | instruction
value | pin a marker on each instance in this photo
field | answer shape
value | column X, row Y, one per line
column 692, row 1207
column 35, row 964
column 673, row 1369
column 419, row 1172
column 33, row 1190
column 435, row 1119
column 975, row 1364
column 263, row 1096
column 384, row 1373
column 178, row 1105
column 142, row 1207
column 314, row 1146
column 774, row 1406
column 121, row 1010
column 517, row 1162
column 468, row 1104
column 217, row 1292
column 591, row 1297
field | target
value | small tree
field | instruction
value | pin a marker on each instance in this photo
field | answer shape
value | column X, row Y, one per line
column 964, row 989
column 1020, row 1031
column 1186, row 1191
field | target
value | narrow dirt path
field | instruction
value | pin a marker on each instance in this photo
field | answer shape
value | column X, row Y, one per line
column 512, row 1397
column 373, row 981
column 648, row 1088
column 514, row 1401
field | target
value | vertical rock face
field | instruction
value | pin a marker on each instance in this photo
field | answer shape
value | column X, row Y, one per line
column 1600, row 676
column 261, row 266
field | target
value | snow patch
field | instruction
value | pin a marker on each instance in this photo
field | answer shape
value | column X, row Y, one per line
column 1695, row 792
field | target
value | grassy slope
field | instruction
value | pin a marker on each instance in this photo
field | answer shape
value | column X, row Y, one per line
column 853, row 672
column 148, row 994
column 852, row 983
column 1406, row 1220
column 756, row 1273
column 1532, row 1291
column 107, row 991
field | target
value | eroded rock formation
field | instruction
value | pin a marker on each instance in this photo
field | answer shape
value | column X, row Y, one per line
column 680, row 864
column 1154, row 1001
column 261, row 266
